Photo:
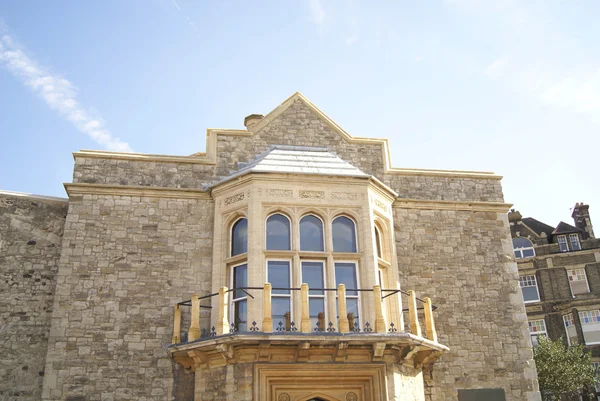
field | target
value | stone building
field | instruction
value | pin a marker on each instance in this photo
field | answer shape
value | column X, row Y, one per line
column 559, row 275
column 289, row 262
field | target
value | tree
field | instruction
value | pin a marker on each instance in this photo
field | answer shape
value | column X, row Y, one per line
column 563, row 370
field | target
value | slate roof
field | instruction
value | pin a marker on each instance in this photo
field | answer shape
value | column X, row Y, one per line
column 537, row 226
column 564, row 228
column 297, row 160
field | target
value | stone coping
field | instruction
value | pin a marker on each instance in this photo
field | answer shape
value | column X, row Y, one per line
column 24, row 195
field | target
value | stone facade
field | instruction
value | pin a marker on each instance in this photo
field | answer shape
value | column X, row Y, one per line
column 548, row 266
column 143, row 231
column 31, row 231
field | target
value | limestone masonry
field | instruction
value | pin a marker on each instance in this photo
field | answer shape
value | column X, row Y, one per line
column 289, row 262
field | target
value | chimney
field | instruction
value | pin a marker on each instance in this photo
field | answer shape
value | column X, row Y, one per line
column 252, row 120
column 581, row 217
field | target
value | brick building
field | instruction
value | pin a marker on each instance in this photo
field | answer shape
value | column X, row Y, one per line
column 559, row 275
column 289, row 262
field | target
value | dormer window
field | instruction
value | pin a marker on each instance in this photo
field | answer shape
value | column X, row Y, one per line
column 523, row 248
column 574, row 241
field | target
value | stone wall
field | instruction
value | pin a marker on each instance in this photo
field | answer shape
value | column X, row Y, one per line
column 225, row 383
column 30, row 237
column 93, row 170
column 462, row 260
column 126, row 261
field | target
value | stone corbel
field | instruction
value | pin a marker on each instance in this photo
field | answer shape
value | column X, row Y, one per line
column 378, row 350
column 263, row 351
column 226, row 351
column 303, row 350
column 341, row 351
column 200, row 358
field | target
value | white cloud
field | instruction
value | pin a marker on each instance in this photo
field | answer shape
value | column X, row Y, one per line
column 58, row 93
column 317, row 12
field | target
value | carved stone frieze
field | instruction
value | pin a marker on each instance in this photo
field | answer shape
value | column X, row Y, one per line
column 234, row 198
column 344, row 195
column 279, row 193
column 312, row 194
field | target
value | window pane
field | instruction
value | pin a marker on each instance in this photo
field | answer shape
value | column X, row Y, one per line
column 240, row 315
column 281, row 312
column 344, row 235
column 278, row 233
column 345, row 273
column 239, row 237
column 528, row 253
column 378, row 243
column 312, row 274
column 316, row 306
column 240, row 279
column 521, row 242
column 279, row 276
column 311, row 234
column 530, row 294
column 574, row 238
column 352, row 310
column 562, row 243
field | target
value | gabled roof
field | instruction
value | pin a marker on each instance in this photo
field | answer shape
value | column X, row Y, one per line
column 297, row 160
column 537, row 226
column 564, row 228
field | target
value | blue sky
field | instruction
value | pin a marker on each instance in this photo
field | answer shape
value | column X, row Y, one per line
column 506, row 86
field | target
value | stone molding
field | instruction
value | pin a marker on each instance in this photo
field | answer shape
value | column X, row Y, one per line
column 405, row 203
column 130, row 190
column 210, row 157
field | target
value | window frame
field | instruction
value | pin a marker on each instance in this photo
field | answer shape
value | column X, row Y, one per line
column 595, row 316
column 378, row 242
column 571, row 242
column 587, row 283
column 231, row 226
column 232, row 299
column 520, row 250
column 539, row 333
column 563, row 244
column 290, row 239
column 358, row 287
column 568, row 322
column 537, row 289
column 355, row 234
column 324, row 296
column 289, row 295
column 324, row 237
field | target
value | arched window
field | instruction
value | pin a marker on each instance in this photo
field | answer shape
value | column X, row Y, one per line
column 523, row 248
column 278, row 233
column 378, row 247
column 311, row 234
column 343, row 232
column 239, row 237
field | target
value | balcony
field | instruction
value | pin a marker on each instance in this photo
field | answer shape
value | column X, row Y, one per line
column 346, row 340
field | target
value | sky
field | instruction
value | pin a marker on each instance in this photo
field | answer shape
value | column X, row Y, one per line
column 507, row 86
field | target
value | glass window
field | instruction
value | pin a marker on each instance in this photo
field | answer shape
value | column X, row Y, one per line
column 562, row 243
column 345, row 273
column 537, row 328
column 278, row 274
column 590, row 325
column 529, row 289
column 311, row 234
column 578, row 281
column 574, row 240
column 570, row 329
column 523, row 248
column 239, row 237
column 312, row 274
column 378, row 243
column 278, row 233
column 240, row 305
column 344, row 234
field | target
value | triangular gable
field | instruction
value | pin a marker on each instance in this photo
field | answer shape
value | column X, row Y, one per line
column 564, row 228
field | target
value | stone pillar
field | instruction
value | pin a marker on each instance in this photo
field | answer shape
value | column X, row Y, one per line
column 415, row 327
column 343, row 314
column 267, row 323
column 176, row 325
column 305, row 322
column 194, row 331
column 429, row 324
column 222, row 321
column 377, row 302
